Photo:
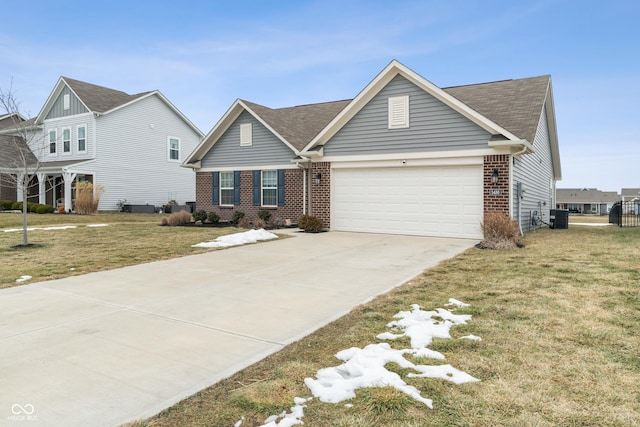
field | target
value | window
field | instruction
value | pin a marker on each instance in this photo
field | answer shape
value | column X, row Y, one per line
column 245, row 135
column 269, row 188
column 66, row 101
column 52, row 141
column 226, row 188
column 399, row 112
column 66, row 140
column 81, row 134
column 174, row 149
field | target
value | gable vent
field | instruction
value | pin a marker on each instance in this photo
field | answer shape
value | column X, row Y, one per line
column 399, row 112
column 245, row 135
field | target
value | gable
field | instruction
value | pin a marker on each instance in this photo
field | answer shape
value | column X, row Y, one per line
column 265, row 149
column 74, row 106
column 432, row 125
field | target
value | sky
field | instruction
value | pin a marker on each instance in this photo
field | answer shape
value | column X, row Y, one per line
column 203, row 55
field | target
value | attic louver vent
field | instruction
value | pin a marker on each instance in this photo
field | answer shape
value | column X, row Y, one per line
column 245, row 135
column 399, row 112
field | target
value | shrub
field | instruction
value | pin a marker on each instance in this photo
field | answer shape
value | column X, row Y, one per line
column 179, row 218
column 87, row 198
column 311, row 224
column 17, row 206
column 264, row 215
column 44, row 209
column 244, row 222
column 499, row 231
column 200, row 216
column 302, row 222
column 237, row 216
column 259, row 223
column 213, row 218
column 6, row 205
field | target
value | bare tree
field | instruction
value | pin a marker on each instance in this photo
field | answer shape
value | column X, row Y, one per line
column 21, row 147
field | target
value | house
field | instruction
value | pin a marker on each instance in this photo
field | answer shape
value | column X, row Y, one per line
column 630, row 200
column 586, row 200
column 130, row 145
column 402, row 157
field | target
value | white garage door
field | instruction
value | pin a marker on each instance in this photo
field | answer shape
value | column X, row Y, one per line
column 444, row 201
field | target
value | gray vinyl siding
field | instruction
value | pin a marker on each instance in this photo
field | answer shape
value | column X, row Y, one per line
column 433, row 126
column 535, row 171
column 266, row 148
column 75, row 106
column 132, row 156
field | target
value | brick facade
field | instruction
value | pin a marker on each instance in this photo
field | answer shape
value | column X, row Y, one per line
column 494, row 202
column 292, row 209
column 321, row 192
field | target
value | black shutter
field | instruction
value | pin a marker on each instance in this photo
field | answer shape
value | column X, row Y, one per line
column 216, row 188
column 236, row 188
column 280, row 187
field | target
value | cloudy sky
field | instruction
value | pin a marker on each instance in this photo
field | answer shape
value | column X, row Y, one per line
column 202, row 55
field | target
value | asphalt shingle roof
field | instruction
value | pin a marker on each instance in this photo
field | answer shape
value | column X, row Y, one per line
column 300, row 124
column 100, row 99
column 14, row 152
column 515, row 105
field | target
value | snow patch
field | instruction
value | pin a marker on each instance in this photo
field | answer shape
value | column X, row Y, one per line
column 288, row 418
column 62, row 227
column 251, row 236
column 23, row 279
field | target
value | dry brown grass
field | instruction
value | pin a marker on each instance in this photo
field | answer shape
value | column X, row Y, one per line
column 128, row 239
column 558, row 319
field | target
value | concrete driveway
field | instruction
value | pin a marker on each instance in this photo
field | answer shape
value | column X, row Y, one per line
column 107, row 348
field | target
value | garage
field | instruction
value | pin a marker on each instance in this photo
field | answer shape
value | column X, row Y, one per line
column 441, row 201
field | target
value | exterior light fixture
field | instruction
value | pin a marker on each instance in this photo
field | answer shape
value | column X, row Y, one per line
column 494, row 177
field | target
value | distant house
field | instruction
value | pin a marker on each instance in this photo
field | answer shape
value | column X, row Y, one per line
column 131, row 145
column 586, row 200
column 631, row 200
column 403, row 157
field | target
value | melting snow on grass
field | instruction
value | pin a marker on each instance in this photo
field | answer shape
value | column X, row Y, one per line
column 366, row 367
column 62, row 227
column 251, row 236
column 23, row 279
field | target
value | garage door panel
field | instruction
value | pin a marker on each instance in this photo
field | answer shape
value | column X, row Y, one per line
column 430, row 201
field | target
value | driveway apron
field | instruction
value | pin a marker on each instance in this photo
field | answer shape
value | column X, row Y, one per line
column 111, row 347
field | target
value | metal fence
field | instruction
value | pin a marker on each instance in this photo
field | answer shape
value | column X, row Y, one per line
column 625, row 214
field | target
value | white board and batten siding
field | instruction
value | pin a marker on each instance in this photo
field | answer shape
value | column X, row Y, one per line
column 132, row 160
column 535, row 172
column 437, row 200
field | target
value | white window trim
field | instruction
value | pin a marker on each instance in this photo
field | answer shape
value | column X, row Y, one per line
column 169, row 138
column 398, row 112
column 55, row 142
column 78, row 139
column 246, row 135
column 232, row 188
column 262, row 188
column 67, row 153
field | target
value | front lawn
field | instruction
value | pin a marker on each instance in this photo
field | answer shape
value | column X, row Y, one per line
column 559, row 323
column 118, row 240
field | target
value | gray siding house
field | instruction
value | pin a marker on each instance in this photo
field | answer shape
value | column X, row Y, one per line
column 402, row 157
column 131, row 145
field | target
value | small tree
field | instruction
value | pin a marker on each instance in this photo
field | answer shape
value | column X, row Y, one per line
column 20, row 147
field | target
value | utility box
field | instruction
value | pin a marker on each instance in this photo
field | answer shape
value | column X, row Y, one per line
column 559, row 218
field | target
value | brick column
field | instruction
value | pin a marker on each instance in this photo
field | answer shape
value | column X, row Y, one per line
column 321, row 192
column 496, row 196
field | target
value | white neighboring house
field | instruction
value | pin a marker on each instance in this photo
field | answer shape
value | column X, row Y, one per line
column 131, row 145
